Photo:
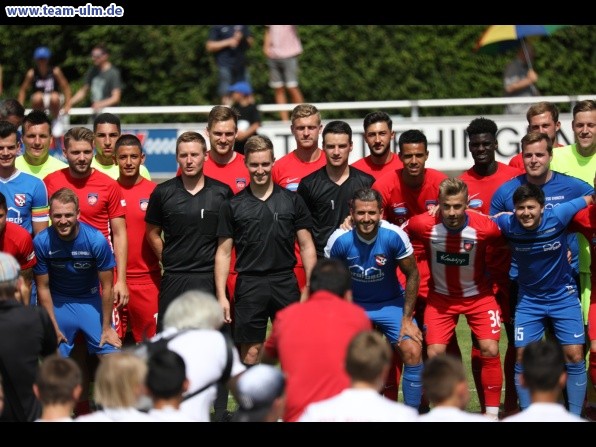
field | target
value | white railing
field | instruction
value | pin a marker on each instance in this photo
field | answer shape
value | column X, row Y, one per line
column 414, row 105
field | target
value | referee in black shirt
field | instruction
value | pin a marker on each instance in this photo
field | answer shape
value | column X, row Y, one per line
column 262, row 222
column 186, row 210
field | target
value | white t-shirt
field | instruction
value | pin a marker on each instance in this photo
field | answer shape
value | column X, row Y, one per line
column 169, row 414
column 205, row 354
column 544, row 412
column 128, row 414
column 358, row 405
column 452, row 414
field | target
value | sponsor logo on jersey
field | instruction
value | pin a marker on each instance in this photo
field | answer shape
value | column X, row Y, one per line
column 381, row 259
column 143, row 204
column 92, row 198
column 457, row 259
column 240, row 183
column 82, row 265
column 468, row 244
column 551, row 247
column 20, row 199
column 430, row 203
column 475, row 203
column 400, row 211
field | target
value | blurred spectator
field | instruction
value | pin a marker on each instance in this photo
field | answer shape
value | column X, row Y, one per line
column 119, row 389
column 282, row 47
column 545, row 376
column 166, row 382
column 446, row 388
column 48, row 82
column 260, row 393
column 26, row 335
column 58, row 387
column 368, row 360
column 229, row 43
column 249, row 118
column 102, row 80
column 519, row 79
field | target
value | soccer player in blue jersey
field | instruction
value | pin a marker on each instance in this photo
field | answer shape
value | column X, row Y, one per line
column 73, row 261
column 372, row 252
column 547, row 289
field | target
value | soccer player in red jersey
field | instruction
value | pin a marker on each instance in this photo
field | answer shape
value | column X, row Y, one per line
column 378, row 134
column 290, row 169
column 17, row 241
column 455, row 242
column 143, row 273
column 483, row 179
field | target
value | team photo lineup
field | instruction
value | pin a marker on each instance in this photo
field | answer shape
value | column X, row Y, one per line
column 308, row 288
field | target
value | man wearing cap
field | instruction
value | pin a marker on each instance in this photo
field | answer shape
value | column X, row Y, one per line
column 26, row 335
column 260, row 393
column 47, row 82
column 249, row 118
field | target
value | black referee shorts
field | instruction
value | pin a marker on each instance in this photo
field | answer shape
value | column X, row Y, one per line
column 257, row 299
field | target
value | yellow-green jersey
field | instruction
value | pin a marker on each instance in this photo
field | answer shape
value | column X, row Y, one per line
column 114, row 172
column 52, row 164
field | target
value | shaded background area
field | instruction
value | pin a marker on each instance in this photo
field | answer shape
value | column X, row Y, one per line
column 168, row 64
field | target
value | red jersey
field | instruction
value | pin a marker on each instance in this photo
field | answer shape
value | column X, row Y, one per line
column 313, row 354
column 480, row 194
column 142, row 260
column 289, row 169
column 99, row 196
column 377, row 171
column 18, row 242
column 457, row 259
column 234, row 174
column 481, row 188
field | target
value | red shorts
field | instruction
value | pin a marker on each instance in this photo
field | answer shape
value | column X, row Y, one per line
column 442, row 312
column 142, row 308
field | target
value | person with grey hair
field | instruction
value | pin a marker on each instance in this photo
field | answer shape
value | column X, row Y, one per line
column 192, row 324
column 26, row 335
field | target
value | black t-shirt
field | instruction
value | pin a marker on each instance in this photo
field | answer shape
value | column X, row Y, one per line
column 328, row 202
column 189, row 223
column 248, row 115
column 26, row 335
column 264, row 231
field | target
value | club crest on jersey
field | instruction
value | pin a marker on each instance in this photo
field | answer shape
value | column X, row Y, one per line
column 92, row 198
column 468, row 245
column 143, row 203
column 20, row 199
column 240, row 183
column 380, row 260
column 430, row 203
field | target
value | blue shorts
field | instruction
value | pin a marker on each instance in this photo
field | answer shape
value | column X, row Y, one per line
column 564, row 312
column 387, row 319
column 83, row 315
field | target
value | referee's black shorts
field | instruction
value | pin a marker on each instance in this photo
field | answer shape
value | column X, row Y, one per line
column 258, row 297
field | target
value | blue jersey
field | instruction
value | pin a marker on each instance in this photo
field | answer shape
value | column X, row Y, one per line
column 559, row 189
column 73, row 266
column 372, row 264
column 26, row 199
column 541, row 254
